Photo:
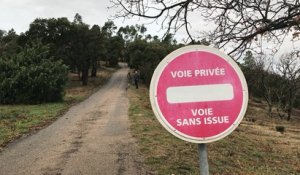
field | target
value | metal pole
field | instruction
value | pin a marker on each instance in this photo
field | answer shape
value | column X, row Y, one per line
column 203, row 159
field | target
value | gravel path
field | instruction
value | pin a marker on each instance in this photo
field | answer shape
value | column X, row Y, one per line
column 93, row 137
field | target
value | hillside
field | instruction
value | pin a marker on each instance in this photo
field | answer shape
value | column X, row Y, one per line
column 255, row 147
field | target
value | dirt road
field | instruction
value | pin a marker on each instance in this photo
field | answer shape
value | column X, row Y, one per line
column 91, row 138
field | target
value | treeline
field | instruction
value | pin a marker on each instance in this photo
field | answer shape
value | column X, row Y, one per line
column 275, row 81
column 34, row 65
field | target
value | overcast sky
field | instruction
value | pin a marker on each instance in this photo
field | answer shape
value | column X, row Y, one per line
column 19, row 14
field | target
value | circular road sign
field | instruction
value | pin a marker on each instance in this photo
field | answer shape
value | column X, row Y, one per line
column 198, row 94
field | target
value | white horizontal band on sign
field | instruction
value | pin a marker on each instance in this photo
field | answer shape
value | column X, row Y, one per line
column 200, row 93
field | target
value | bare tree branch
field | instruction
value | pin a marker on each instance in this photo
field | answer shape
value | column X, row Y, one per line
column 237, row 22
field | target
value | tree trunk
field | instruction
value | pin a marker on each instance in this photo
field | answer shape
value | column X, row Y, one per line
column 280, row 114
column 94, row 71
column 290, row 103
column 85, row 73
column 289, row 114
column 84, row 77
column 79, row 75
column 270, row 110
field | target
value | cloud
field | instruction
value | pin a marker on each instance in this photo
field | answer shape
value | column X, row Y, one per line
column 19, row 14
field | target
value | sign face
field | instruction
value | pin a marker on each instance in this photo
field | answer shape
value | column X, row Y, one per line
column 198, row 94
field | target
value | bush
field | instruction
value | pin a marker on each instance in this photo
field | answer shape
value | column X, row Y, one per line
column 280, row 129
column 146, row 56
column 32, row 76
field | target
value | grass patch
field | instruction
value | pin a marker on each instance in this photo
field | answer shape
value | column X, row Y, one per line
column 251, row 149
column 17, row 120
column 75, row 92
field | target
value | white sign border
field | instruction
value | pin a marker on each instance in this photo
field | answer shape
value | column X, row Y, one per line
column 153, row 91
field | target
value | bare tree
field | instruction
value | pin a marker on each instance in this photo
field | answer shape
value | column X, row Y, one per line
column 261, row 78
column 237, row 23
column 269, row 82
column 288, row 92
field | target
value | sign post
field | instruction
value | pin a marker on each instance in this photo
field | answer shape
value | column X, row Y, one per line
column 204, row 170
column 199, row 95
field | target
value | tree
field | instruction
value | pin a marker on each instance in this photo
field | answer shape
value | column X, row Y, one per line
column 289, row 88
column 109, row 28
column 8, row 43
column 236, row 23
column 79, row 42
column 136, row 53
column 131, row 34
column 73, row 42
column 52, row 32
column 9, row 36
column 115, row 49
column 96, row 47
column 269, row 81
column 77, row 19
column 107, row 32
column 31, row 76
column 152, row 55
column 128, row 34
column 145, row 55
column 2, row 32
column 253, row 69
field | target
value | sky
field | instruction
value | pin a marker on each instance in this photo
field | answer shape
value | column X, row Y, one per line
column 18, row 14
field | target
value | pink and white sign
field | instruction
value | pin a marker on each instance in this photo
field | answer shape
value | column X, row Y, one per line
column 198, row 94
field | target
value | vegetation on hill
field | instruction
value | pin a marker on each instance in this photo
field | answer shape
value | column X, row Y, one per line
column 255, row 147
column 242, row 28
column 80, row 48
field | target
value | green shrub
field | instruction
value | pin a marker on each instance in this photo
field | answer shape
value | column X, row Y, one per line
column 32, row 76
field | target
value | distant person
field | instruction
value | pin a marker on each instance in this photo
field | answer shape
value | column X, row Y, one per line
column 136, row 79
column 129, row 79
column 129, row 76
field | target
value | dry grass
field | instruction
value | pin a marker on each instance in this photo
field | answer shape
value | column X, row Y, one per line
column 19, row 120
column 76, row 92
column 254, row 148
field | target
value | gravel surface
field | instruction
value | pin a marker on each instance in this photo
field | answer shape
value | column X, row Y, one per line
column 93, row 137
